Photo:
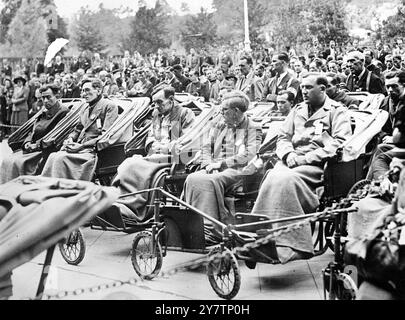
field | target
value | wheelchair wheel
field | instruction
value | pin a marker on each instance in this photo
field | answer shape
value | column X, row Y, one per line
column 359, row 185
column 73, row 248
column 346, row 287
column 343, row 286
column 146, row 260
column 223, row 274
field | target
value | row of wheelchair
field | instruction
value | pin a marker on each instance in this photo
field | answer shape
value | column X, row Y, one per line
column 172, row 224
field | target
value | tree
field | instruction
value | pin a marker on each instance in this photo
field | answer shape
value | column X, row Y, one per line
column 297, row 22
column 327, row 20
column 6, row 16
column 47, row 6
column 148, row 29
column 27, row 31
column 394, row 26
column 85, row 32
column 200, row 30
column 229, row 17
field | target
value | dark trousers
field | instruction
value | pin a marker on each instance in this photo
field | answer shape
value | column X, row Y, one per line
column 380, row 164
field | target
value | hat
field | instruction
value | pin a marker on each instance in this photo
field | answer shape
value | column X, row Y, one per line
column 20, row 77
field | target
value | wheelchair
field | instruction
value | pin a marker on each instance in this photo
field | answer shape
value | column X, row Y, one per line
column 185, row 230
column 175, row 225
column 125, row 138
column 16, row 139
column 110, row 153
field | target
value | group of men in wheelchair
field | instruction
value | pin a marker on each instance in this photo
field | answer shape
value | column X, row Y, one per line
column 311, row 133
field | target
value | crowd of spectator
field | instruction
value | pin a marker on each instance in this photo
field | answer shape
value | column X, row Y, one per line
column 261, row 74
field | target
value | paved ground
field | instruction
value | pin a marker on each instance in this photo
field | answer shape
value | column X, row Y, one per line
column 108, row 259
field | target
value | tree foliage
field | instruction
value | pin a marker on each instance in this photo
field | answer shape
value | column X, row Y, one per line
column 46, row 7
column 6, row 15
column 200, row 30
column 296, row 22
column 394, row 26
column 148, row 29
column 86, row 33
column 229, row 16
column 27, row 31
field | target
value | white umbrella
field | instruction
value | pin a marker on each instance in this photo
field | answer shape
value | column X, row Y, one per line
column 53, row 49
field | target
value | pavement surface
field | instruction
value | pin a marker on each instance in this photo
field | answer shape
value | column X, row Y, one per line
column 108, row 259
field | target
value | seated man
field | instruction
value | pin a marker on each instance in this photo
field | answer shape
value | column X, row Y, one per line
column 231, row 144
column 337, row 94
column 27, row 160
column 77, row 158
column 395, row 84
column 169, row 122
column 376, row 203
column 311, row 133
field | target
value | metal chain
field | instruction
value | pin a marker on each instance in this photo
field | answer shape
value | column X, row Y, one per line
column 8, row 126
column 335, row 210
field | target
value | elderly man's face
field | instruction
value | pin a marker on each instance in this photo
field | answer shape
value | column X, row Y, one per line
column 49, row 98
column 395, row 89
column 312, row 93
column 89, row 93
column 355, row 65
column 162, row 104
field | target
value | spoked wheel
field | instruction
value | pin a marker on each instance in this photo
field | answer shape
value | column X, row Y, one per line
column 360, row 188
column 147, row 257
column 342, row 286
column 73, row 248
column 223, row 274
column 346, row 287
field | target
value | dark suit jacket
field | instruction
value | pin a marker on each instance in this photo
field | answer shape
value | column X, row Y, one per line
column 376, row 85
column 251, row 85
column 71, row 92
column 46, row 122
column 393, row 114
column 271, row 88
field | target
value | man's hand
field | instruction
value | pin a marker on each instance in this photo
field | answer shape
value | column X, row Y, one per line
column 386, row 187
column 160, row 148
column 74, row 147
column 291, row 160
column 30, row 146
column 387, row 139
column 301, row 161
column 212, row 167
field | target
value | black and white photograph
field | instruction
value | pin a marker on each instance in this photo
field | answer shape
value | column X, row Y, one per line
column 202, row 158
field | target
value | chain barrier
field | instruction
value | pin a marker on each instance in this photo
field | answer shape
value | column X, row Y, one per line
column 9, row 126
column 339, row 208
